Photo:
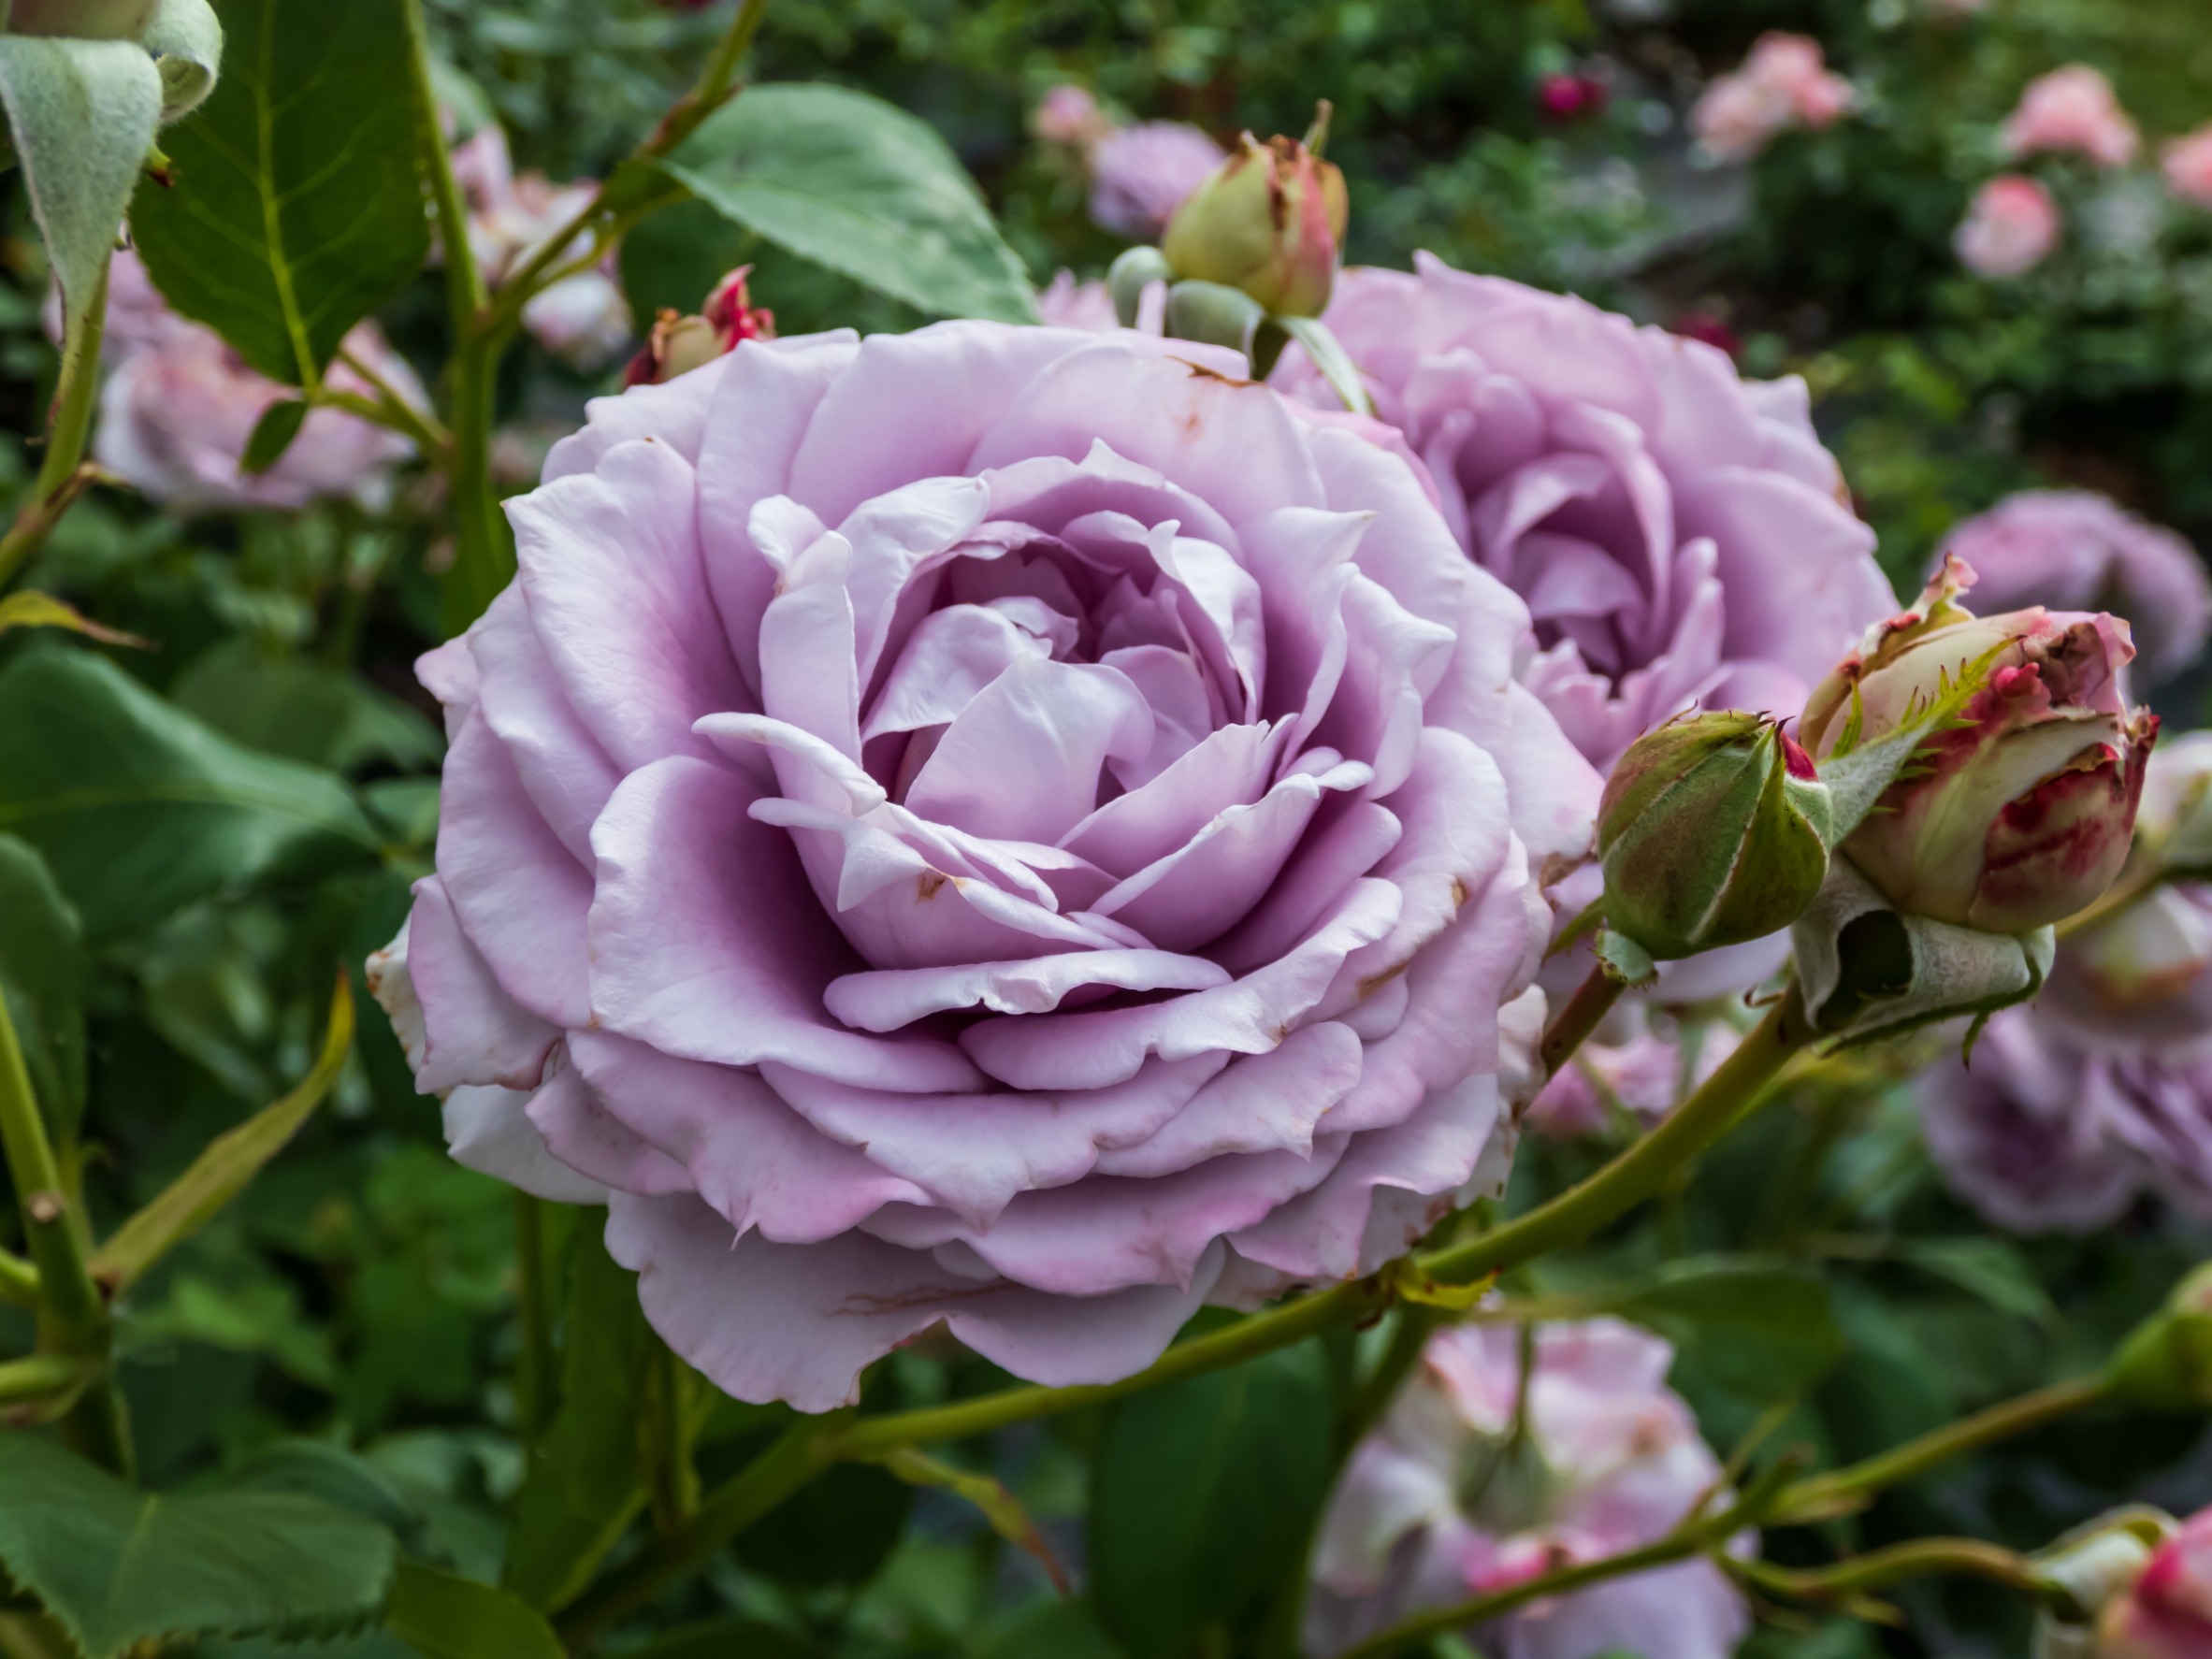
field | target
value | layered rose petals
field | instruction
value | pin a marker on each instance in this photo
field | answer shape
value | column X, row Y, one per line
column 1678, row 533
column 1000, row 827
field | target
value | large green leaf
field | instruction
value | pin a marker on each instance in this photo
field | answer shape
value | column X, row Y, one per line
column 586, row 1483
column 1760, row 1327
column 297, row 209
column 448, row 1617
column 857, row 184
column 42, row 975
column 116, row 1566
column 1205, row 1496
column 138, row 808
column 304, row 710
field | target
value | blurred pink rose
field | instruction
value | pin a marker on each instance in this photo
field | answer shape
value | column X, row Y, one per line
column 1141, row 174
column 1641, row 1060
column 2011, row 227
column 2075, row 550
column 1784, row 84
column 999, row 825
column 2188, row 164
column 2071, row 110
column 178, row 405
column 582, row 319
column 1065, row 303
column 1069, row 115
column 1444, row 1501
column 2167, row 1612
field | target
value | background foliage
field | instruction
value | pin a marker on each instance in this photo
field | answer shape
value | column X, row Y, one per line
column 263, row 793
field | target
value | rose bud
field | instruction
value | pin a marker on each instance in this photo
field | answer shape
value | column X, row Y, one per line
column 2017, row 809
column 2165, row 1365
column 678, row 344
column 2084, row 1572
column 2167, row 1612
column 1270, row 220
column 1712, row 831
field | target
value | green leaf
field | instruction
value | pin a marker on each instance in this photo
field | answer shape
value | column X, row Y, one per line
column 454, row 1618
column 138, row 808
column 1760, row 1328
column 116, row 1566
column 272, row 435
column 586, row 1483
column 42, row 610
column 84, row 113
column 1330, row 357
column 304, row 711
column 297, row 209
column 1990, row 1269
column 220, row 1172
column 726, row 1638
column 857, row 184
column 1203, row 1497
column 42, row 976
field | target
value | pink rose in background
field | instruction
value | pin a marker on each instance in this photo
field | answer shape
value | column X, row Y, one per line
column 2071, row 110
column 2100, row 1091
column 1639, row 1059
column 1069, row 115
column 582, row 319
column 2011, row 227
column 1065, row 303
column 1444, row 1501
column 1783, row 85
column 993, row 826
column 1678, row 531
column 2167, row 1612
column 2188, row 166
column 177, row 405
column 2077, row 550
column 1141, row 174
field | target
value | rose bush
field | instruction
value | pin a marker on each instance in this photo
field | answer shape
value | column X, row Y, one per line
column 995, row 826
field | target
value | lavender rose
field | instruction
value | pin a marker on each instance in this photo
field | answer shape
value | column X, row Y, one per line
column 1678, row 532
column 2075, row 550
column 178, row 405
column 1446, row 1501
column 999, row 827
column 1141, row 174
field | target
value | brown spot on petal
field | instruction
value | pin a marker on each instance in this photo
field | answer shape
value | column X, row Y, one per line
column 930, row 883
column 1375, row 982
column 1200, row 371
column 1459, row 894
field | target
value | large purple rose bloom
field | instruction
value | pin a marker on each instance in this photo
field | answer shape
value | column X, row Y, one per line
column 996, row 825
column 1679, row 533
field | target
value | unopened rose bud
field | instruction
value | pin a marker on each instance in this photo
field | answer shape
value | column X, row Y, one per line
column 2018, row 806
column 81, row 19
column 1712, row 831
column 2167, row 1612
column 678, row 344
column 2086, row 1571
column 2165, row 1365
column 1270, row 219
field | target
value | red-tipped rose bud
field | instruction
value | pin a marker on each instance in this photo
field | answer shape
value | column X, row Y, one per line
column 1270, row 220
column 2017, row 809
column 2167, row 1612
column 1712, row 831
column 679, row 344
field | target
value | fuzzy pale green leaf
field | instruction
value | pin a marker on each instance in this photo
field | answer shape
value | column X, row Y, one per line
column 186, row 40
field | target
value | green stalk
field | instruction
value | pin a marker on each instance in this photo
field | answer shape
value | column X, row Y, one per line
column 19, row 1280
column 73, row 1317
column 1644, row 1168
column 1841, row 1491
column 1592, row 1002
column 534, row 1367
column 62, row 474
column 1879, row 1569
column 803, row 1451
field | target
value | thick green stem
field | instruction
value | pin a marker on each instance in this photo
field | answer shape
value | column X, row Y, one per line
column 73, row 1317
column 1841, row 1491
column 42, row 1377
column 1647, row 1166
column 1920, row 1558
column 803, row 1451
column 19, row 1280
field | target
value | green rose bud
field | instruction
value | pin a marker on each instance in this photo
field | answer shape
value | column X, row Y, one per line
column 1712, row 831
column 1269, row 221
column 2165, row 1365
